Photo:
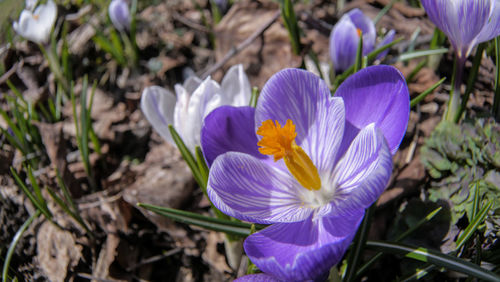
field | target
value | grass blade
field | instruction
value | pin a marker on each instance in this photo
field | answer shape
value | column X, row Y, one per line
column 424, row 94
column 358, row 246
column 43, row 208
column 434, row 257
column 359, row 54
column 422, row 53
column 13, row 244
column 187, row 155
column 472, row 227
column 405, row 234
column 227, row 226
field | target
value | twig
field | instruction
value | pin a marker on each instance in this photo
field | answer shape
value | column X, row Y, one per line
column 189, row 23
column 243, row 45
column 11, row 71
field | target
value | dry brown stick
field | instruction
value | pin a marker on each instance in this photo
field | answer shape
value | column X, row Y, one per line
column 11, row 71
column 243, row 45
column 189, row 23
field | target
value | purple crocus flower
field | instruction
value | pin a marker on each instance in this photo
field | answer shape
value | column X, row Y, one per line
column 307, row 163
column 344, row 39
column 119, row 14
column 465, row 22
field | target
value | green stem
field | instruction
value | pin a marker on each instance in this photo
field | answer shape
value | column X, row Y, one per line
column 456, row 81
column 496, row 101
column 358, row 246
column 55, row 66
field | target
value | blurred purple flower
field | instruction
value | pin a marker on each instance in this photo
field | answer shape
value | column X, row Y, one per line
column 119, row 14
column 465, row 22
column 322, row 161
column 344, row 39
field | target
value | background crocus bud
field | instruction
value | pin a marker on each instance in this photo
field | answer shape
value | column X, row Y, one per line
column 36, row 26
column 344, row 38
column 119, row 14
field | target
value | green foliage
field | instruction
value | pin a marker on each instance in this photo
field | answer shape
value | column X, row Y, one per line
column 460, row 159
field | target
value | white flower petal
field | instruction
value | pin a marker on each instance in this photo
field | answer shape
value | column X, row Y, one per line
column 158, row 104
column 236, row 88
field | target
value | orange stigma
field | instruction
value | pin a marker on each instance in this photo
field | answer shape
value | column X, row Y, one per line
column 359, row 32
column 279, row 142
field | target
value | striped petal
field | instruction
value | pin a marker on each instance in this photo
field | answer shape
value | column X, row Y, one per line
column 362, row 174
column 460, row 20
column 492, row 27
column 292, row 94
column 158, row 105
column 325, row 135
column 377, row 94
column 302, row 250
column 260, row 277
column 247, row 188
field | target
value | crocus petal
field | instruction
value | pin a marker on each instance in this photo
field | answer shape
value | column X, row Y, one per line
column 298, row 94
column 460, row 20
column 37, row 26
column 158, row 104
column 119, row 14
column 377, row 94
column 228, row 129
column 388, row 38
column 260, row 277
column 492, row 27
column 363, row 172
column 204, row 99
column 247, row 188
column 344, row 42
column 302, row 250
column 366, row 25
column 235, row 87
column 325, row 135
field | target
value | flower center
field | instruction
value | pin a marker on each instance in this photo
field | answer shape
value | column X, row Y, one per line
column 359, row 32
column 280, row 142
column 36, row 17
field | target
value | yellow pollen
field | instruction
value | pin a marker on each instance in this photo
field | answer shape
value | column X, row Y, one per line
column 36, row 17
column 279, row 142
column 359, row 32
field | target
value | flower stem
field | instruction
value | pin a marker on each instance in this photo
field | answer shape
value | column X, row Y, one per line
column 496, row 101
column 55, row 67
column 456, row 81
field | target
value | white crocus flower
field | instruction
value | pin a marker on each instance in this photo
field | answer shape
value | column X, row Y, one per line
column 36, row 26
column 193, row 101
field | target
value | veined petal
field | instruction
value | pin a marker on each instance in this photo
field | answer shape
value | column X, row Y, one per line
column 302, row 250
column 236, row 90
column 377, row 94
column 203, row 100
column 363, row 172
column 247, row 188
column 325, row 135
column 460, row 20
column 158, row 104
column 228, row 129
column 365, row 24
column 388, row 38
column 298, row 94
column 492, row 27
column 344, row 42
